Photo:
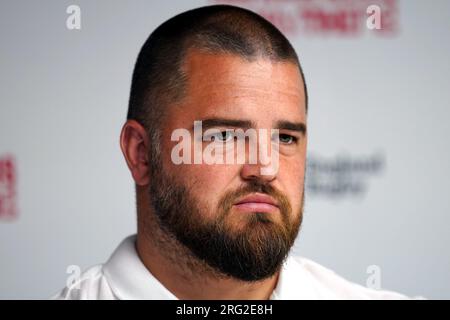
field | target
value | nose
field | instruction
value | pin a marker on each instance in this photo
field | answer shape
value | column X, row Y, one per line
column 253, row 172
column 263, row 164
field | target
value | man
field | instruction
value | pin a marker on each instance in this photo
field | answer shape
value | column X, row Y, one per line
column 215, row 229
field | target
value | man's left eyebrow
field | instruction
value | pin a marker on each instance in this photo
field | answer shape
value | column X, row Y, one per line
column 292, row 126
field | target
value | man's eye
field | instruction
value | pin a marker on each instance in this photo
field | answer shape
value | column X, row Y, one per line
column 287, row 139
column 223, row 136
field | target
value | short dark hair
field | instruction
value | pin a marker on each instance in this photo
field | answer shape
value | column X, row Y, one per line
column 158, row 79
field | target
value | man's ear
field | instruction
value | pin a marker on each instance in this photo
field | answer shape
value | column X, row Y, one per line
column 135, row 145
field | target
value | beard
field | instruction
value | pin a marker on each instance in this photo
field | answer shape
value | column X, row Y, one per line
column 252, row 252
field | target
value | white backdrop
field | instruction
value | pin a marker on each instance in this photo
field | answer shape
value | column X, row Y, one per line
column 377, row 181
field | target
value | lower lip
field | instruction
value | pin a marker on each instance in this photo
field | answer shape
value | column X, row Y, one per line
column 256, row 207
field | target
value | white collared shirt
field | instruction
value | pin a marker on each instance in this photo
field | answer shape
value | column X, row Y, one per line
column 124, row 276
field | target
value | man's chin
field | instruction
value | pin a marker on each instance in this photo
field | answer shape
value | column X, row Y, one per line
column 256, row 228
column 248, row 221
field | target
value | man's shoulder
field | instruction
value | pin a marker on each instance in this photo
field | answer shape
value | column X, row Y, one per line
column 91, row 284
column 327, row 284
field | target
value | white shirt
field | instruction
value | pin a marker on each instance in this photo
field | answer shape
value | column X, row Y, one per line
column 124, row 276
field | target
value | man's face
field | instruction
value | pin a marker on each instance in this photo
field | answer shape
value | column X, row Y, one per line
column 207, row 206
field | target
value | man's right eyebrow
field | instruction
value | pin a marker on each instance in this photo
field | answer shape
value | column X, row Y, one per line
column 222, row 122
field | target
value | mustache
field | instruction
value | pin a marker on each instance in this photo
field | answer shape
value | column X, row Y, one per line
column 254, row 186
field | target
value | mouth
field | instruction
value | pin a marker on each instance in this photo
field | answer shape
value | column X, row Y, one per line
column 257, row 202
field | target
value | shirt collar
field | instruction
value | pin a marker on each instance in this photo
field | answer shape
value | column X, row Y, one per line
column 294, row 283
column 130, row 279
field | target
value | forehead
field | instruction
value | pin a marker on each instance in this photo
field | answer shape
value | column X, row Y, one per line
column 226, row 84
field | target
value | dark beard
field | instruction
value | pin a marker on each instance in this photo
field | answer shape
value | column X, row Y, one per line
column 252, row 253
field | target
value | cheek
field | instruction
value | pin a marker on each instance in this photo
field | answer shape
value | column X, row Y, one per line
column 214, row 180
column 207, row 183
column 291, row 176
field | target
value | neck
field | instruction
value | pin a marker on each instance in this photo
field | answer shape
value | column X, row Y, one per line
column 189, row 278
